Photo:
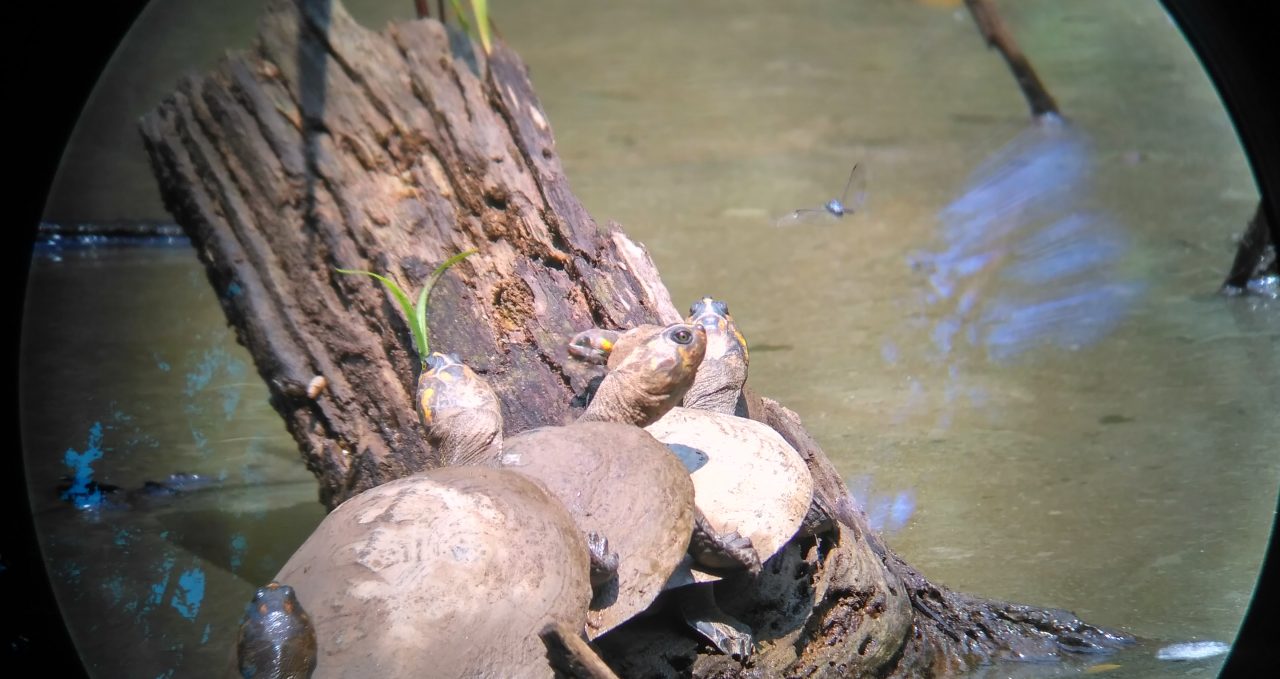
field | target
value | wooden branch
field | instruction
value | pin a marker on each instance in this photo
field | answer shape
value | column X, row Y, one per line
column 997, row 35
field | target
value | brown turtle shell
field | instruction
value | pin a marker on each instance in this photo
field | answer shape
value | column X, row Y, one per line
column 746, row 477
column 450, row 572
column 620, row 482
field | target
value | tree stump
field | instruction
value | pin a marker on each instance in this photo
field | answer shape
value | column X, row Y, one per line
column 328, row 146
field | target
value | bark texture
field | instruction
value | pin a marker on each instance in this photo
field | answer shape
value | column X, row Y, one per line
column 330, row 146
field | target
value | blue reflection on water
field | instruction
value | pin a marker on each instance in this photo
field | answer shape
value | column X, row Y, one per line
column 887, row 512
column 83, row 493
column 238, row 546
column 1027, row 263
column 189, row 593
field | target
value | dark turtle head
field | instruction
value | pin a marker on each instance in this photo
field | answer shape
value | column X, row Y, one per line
column 276, row 636
column 650, row 369
column 724, row 369
column 462, row 415
column 274, row 598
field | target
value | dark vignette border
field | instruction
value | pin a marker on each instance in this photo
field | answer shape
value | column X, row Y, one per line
column 56, row 51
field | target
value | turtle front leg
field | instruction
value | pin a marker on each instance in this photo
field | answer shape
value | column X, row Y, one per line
column 699, row 609
column 604, row 563
column 721, row 551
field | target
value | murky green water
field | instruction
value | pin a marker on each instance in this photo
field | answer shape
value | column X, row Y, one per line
column 1114, row 456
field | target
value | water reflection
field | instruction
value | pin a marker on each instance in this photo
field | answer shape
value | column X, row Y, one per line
column 165, row 488
column 90, row 241
column 887, row 512
column 1027, row 262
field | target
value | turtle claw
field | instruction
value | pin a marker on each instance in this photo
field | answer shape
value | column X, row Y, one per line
column 742, row 551
column 700, row 612
column 733, row 641
column 604, row 563
column 722, row 551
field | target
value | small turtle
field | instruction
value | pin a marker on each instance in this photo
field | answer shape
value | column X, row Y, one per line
column 451, row 572
column 277, row 639
column 623, row 487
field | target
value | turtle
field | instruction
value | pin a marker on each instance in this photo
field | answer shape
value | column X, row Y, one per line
column 747, row 478
column 623, row 487
column 452, row 571
column 276, row 638
column 719, row 388
column 738, row 465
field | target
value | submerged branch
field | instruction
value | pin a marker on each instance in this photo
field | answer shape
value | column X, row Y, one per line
column 1256, row 255
column 997, row 35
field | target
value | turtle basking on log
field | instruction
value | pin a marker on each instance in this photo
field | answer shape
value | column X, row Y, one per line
column 716, row 395
column 618, row 482
column 746, row 477
column 456, row 570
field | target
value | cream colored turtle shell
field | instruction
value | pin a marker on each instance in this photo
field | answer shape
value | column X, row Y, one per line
column 450, row 572
column 746, row 477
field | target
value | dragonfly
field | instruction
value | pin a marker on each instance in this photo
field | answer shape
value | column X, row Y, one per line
column 836, row 208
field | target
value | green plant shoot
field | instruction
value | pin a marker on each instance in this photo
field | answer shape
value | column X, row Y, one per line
column 480, row 10
column 415, row 315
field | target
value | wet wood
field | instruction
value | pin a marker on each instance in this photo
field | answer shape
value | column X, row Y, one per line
column 330, row 146
column 1253, row 258
column 997, row 35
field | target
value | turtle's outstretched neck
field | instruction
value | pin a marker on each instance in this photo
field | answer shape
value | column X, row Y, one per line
column 616, row 403
column 638, row 389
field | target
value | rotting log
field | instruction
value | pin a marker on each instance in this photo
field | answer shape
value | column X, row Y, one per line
column 326, row 146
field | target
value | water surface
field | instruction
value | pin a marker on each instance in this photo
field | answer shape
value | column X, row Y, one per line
column 1045, row 404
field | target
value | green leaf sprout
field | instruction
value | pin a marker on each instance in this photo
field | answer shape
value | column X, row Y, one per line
column 480, row 10
column 416, row 316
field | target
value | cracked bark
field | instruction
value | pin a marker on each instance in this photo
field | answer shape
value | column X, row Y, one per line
column 330, row 146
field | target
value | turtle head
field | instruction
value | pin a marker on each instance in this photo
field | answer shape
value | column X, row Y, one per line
column 724, row 369
column 276, row 635
column 650, row 369
column 594, row 345
column 459, row 410
column 274, row 597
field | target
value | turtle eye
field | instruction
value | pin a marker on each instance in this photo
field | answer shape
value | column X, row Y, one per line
column 682, row 336
column 435, row 361
column 720, row 308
